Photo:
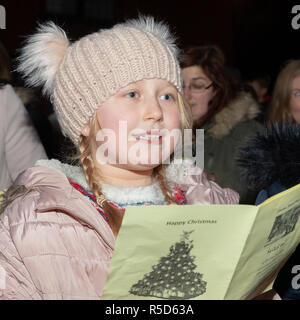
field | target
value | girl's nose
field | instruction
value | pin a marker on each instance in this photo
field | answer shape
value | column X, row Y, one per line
column 153, row 111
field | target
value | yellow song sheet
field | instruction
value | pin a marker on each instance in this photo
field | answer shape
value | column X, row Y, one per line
column 203, row 251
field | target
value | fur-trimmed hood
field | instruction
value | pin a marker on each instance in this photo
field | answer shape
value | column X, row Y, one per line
column 243, row 108
column 271, row 156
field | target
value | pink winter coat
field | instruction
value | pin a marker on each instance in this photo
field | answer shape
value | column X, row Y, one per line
column 55, row 245
column 20, row 146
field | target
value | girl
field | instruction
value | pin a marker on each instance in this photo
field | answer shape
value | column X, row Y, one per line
column 285, row 102
column 59, row 224
column 226, row 114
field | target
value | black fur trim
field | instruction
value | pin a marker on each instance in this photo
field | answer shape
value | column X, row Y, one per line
column 272, row 155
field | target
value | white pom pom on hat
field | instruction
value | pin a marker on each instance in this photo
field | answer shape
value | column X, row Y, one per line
column 80, row 76
column 42, row 55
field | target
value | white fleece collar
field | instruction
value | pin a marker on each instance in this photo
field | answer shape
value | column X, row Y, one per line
column 122, row 195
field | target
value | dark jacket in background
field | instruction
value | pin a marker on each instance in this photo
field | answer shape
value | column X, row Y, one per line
column 223, row 136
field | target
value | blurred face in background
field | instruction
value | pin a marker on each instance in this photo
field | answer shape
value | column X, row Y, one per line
column 198, row 90
column 259, row 90
column 295, row 99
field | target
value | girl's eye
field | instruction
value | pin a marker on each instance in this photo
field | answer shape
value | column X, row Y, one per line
column 132, row 94
column 297, row 94
column 166, row 97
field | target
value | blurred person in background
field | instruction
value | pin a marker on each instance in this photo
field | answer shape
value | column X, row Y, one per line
column 20, row 146
column 260, row 83
column 278, row 146
column 32, row 101
column 285, row 102
column 271, row 162
column 226, row 113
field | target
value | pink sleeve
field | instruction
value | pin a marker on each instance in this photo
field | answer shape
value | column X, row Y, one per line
column 15, row 280
column 199, row 190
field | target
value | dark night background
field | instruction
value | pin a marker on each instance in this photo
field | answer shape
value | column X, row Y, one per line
column 256, row 35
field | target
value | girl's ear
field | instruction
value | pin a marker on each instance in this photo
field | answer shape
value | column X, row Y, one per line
column 85, row 131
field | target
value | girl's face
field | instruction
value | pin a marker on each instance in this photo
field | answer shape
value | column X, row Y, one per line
column 197, row 90
column 295, row 99
column 141, row 115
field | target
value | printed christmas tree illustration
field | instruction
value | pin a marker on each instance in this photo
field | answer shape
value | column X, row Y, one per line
column 173, row 277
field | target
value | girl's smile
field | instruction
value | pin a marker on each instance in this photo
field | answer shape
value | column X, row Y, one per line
column 150, row 136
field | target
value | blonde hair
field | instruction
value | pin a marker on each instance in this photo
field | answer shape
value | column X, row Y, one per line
column 280, row 103
column 87, row 149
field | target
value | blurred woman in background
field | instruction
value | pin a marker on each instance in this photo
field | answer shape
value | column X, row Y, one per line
column 225, row 113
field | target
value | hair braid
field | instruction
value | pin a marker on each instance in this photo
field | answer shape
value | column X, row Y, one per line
column 160, row 176
column 114, row 215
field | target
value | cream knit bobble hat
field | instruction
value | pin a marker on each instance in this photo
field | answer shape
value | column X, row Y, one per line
column 79, row 77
